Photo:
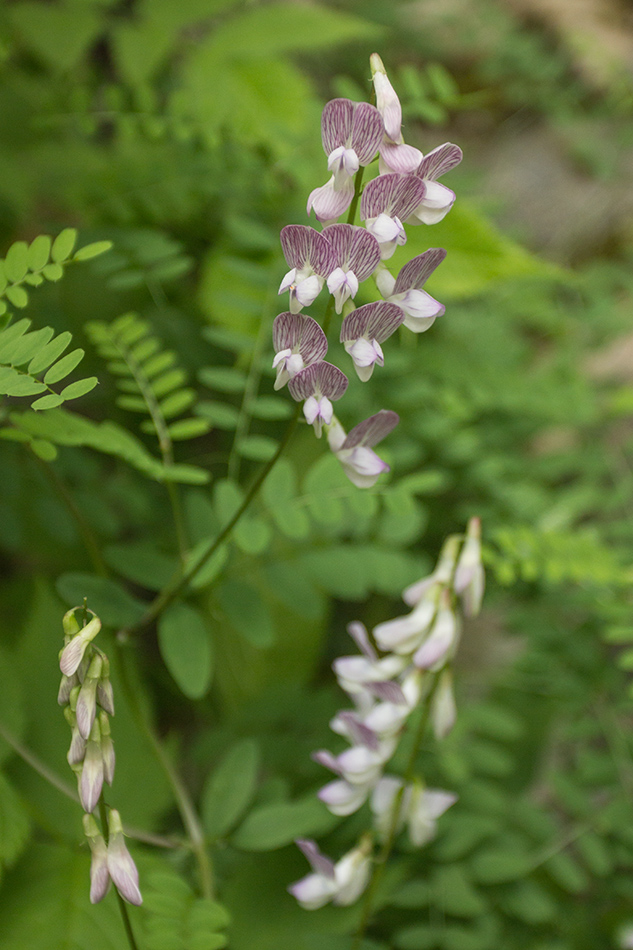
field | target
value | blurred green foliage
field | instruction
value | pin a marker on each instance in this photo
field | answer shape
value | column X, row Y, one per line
column 187, row 134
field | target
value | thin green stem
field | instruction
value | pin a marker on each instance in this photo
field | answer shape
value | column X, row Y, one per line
column 358, row 181
column 186, row 808
column 387, row 848
column 252, row 384
column 125, row 917
column 85, row 531
column 173, row 589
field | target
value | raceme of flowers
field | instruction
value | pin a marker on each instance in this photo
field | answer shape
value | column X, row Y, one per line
column 414, row 668
column 86, row 694
column 343, row 255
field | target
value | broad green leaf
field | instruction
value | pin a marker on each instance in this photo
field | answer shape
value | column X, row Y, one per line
column 58, row 35
column 53, row 272
column 270, row 408
column 16, row 262
column 498, row 866
column 29, row 345
column 230, row 788
column 14, row 823
column 109, row 599
column 39, row 252
column 252, row 534
column 280, row 486
column 79, row 388
column 186, row 649
column 50, row 353
column 17, row 296
column 275, row 825
column 221, row 415
column 176, row 403
column 141, row 563
column 88, row 251
column 188, row 429
column 44, row 449
column 258, row 448
column 246, row 611
column 224, row 379
column 12, row 713
column 63, row 245
column 63, row 367
column 22, row 386
column 530, row 902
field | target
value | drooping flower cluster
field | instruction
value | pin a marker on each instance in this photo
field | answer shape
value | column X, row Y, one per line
column 414, row 668
column 343, row 255
column 86, row 694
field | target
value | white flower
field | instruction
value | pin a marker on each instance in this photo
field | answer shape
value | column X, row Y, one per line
column 419, row 808
column 342, row 883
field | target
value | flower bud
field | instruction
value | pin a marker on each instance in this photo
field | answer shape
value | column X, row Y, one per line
column 72, row 654
column 91, row 776
column 99, row 874
column 120, row 864
column 87, row 699
column 107, row 748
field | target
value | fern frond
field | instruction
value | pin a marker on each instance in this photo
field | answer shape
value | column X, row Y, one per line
column 148, row 379
column 41, row 260
column 30, row 365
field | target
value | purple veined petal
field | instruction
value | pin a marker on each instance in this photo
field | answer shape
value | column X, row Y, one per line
column 367, row 131
column 372, row 430
column 342, row 798
column 395, row 195
column 361, row 465
column 373, row 321
column 319, row 379
column 356, row 731
column 327, row 760
column 355, row 249
column 301, row 334
column 358, row 633
column 336, row 123
column 399, row 158
column 304, row 245
column 319, row 863
column 416, row 272
column 441, row 160
column 329, row 202
column 388, row 692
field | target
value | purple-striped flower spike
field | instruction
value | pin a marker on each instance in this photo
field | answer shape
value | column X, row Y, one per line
column 419, row 308
column 354, row 451
column 319, row 384
column 357, row 256
column 351, row 133
column 439, row 199
column 387, row 201
column 299, row 341
column 395, row 156
column 311, row 258
column 364, row 329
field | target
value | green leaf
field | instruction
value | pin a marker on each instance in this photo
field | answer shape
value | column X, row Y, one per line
column 39, row 252
column 14, row 823
column 109, row 599
column 230, row 788
column 79, row 388
column 188, row 429
column 270, row 408
column 278, row 824
column 252, row 535
column 21, row 386
column 63, row 245
column 16, row 262
column 224, row 379
column 258, row 448
column 530, row 903
column 141, row 563
column 28, row 346
column 186, row 649
column 246, row 611
column 50, row 353
column 498, row 866
column 220, row 414
column 567, row 873
column 88, row 251
column 176, row 403
column 17, row 296
column 64, row 366
column 53, row 272
column 58, row 35
column 44, row 449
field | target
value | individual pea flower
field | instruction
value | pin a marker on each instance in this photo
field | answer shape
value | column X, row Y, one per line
column 318, row 384
column 99, row 874
column 107, row 748
column 299, row 341
column 105, row 695
column 357, row 255
column 440, row 642
column 443, row 708
column 395, row 156
column 386, row 202
column 358, row 675
column 311, row 258
column 419, row 808
column 428, row 587
column 77, row 641
column 405, row 291
column 438, row 199
column 77, row 749
column 469, row 574
column 90, row 773
column 342, row 883
column 351, row 133
column 121, row 867
column 364, row 329
column 86, row 708
column 355, row 450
